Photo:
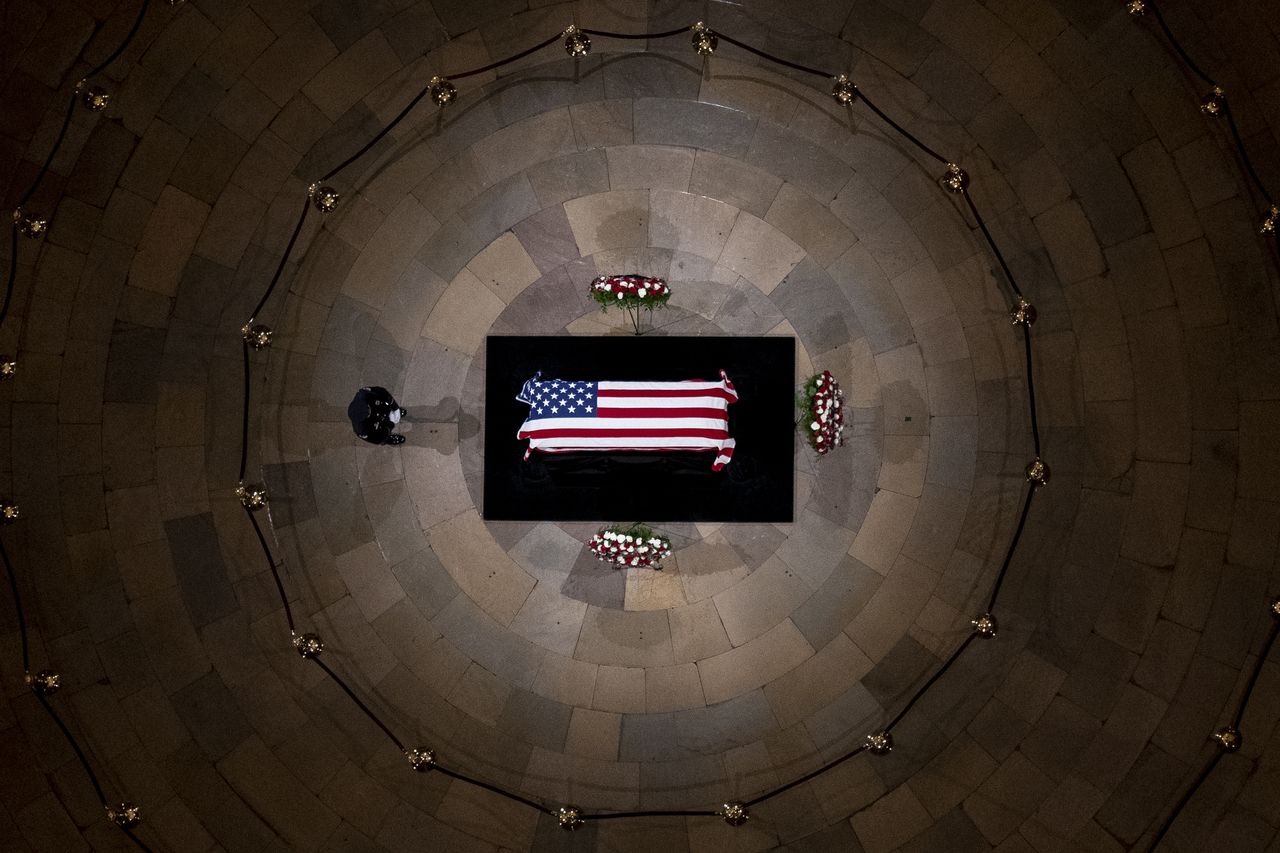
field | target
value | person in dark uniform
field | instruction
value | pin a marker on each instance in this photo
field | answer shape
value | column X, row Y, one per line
column 374, row 414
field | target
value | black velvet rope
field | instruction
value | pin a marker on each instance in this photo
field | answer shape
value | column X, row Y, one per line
column 244, row 412
column 812, row 774
column 662, row 35
column 12, row 278
column 53, row 151
column 124, row 43
column 502, row 792
column 995, row 249
column 652, row 813
column 1247, row 693
column 275, row 571
column 380, row 134
column 284, row 259
column 17, row 606
column 1031, row 387
column 911, row 137
column 1185, row 798
column 941, row 671
column 1177, row 46
column 510, row 59
column 368, row 712
column 775, row 59
column 75, row 746
column 1013, row 546
column 1244, row 152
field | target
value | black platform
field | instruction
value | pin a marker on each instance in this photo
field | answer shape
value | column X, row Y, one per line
column 667, row 486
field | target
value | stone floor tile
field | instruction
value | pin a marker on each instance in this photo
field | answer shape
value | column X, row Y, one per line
column 880, row 538
column 625, row 638
column 891, row 821
column 279, row 72
column 370, row 580
column 180, row 476
column 889, row 612
column 905, row 461
column 405, row 827
column 168, row 239
column 560, row 779
column 815, row 547
column 619, row 689
column 776, row 651
column 708, row 567
column 733, row 182
column 535, row 719
column 1099, row 676
column 1072, row 246
column 1155, row 520
column 483, row 814
column 464, row 314
column 254, row 773
column 481, row 694
column 1157, row 181
column 760, row 601
column 672, row 688
column 834, row 604
column 696, row 632
column 210, row 713
column 505, row 267
column 566, row 680
column 649, row 166
column 760, row 253
column 388, row 253
column 603, row 123
column 612, row 220
column 594, row 734
column 798, row 161
column 549, row 619
column 689, row 223
column 904, row 391
column 817, row 681
column 652, row 589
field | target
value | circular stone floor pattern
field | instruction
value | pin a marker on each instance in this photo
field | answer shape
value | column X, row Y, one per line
column 761, row 651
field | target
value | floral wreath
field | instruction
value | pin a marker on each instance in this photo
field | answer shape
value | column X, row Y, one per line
column 822, row 412
column 630, row 547
column 630, row 290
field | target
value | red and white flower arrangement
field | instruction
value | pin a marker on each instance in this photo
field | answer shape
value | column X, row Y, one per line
column 822, row 412
column 630, row 547
column 632, row 292
column 647, row 291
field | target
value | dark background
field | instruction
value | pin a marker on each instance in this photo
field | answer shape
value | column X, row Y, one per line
column 667, row 486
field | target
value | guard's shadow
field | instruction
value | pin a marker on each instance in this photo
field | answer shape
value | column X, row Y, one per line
column 441, row 426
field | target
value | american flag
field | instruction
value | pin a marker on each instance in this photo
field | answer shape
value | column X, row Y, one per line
column 568, row 415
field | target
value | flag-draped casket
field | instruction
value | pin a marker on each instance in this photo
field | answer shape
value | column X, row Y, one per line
column 576, row 415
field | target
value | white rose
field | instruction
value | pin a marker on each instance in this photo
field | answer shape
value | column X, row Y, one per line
column 641, row 293
column 813, row 425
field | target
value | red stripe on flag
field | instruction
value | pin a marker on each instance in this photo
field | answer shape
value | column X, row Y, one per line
column 717, row 414
column 668, row 392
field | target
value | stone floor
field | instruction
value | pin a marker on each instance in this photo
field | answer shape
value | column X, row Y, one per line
column 1131, row 615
